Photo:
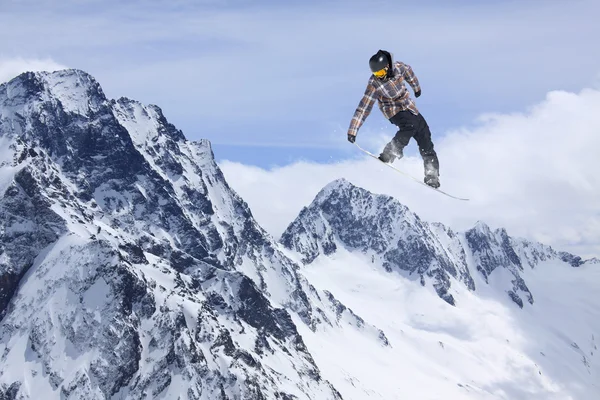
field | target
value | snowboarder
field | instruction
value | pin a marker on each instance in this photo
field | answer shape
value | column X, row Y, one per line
column 386, row 85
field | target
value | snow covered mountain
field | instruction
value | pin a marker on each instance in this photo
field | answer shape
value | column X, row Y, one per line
column 391, row 235
column 129, row 269
column 520, row 320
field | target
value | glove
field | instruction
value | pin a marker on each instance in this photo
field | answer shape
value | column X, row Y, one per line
column 351, row 138
column 417, row 94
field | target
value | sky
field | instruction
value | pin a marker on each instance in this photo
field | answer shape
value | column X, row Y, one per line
column 273, row 86
column 533, row 173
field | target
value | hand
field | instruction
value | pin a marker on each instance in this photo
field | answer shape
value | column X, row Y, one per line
column 417, row 94
column 351, row 138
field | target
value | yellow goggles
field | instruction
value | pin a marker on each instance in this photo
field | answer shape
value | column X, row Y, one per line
column 381, row 73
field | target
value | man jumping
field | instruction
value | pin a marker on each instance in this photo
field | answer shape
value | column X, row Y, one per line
column 386, row 85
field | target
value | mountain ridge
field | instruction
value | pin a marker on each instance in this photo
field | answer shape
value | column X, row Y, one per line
column 342, row 214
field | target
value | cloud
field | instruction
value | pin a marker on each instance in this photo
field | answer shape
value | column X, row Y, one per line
column 535, row 173
column 11, row 67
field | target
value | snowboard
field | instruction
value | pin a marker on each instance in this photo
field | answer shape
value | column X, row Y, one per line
column 408, row 175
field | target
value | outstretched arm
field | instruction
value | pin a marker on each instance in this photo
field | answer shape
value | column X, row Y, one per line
column 411, row 78
column 362, row 112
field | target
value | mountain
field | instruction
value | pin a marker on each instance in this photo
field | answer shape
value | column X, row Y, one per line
column 518, row 319
column 387, row 232
column 129, row 269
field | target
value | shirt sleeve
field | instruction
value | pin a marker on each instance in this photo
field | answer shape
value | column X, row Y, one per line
column 410, row 77
column 363, row 110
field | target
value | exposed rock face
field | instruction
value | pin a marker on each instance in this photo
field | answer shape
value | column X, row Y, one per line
column 385, row 230
column 129, row 268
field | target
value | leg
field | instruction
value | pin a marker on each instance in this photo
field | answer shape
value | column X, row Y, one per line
column 406, row 129
column 430, row 159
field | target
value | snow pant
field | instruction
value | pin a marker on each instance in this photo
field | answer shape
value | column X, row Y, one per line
column 409, row 126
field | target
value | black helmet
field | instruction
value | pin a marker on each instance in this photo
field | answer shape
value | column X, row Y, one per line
column 378, row 61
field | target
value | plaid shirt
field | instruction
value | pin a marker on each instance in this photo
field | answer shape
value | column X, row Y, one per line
column 391, row 93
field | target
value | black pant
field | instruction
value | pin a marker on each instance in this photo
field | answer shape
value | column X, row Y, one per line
column 411, row 125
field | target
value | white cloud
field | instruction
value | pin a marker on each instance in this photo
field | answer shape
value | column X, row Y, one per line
column 535, row 173
column 11, row 67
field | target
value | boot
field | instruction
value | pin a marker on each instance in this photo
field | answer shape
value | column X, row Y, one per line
column 432, row 180
column 389, row 155
column 432, row 169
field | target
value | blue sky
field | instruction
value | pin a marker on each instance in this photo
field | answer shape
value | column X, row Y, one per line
column 511, row 90
column 270, row 83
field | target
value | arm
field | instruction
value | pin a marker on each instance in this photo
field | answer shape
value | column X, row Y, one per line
column 411, row 78
column 362, row 111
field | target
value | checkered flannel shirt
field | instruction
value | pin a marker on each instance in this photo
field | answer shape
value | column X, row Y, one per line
column 391, row 94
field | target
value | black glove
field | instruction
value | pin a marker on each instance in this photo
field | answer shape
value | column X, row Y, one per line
column 351, row 138
column 417, row 94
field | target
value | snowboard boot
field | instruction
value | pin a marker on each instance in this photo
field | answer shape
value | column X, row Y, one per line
column 432, row 180
column 389, row 156
column 432, row 169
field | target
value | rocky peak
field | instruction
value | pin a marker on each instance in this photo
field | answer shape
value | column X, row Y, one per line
column 384, row 230
column 109, row 211
column 381, row 228
column 144, row 115
column 72, row 90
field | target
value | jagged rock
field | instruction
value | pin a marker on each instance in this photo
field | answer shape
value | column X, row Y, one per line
column 345, row 216
column 380, row 227
column 128, row 266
